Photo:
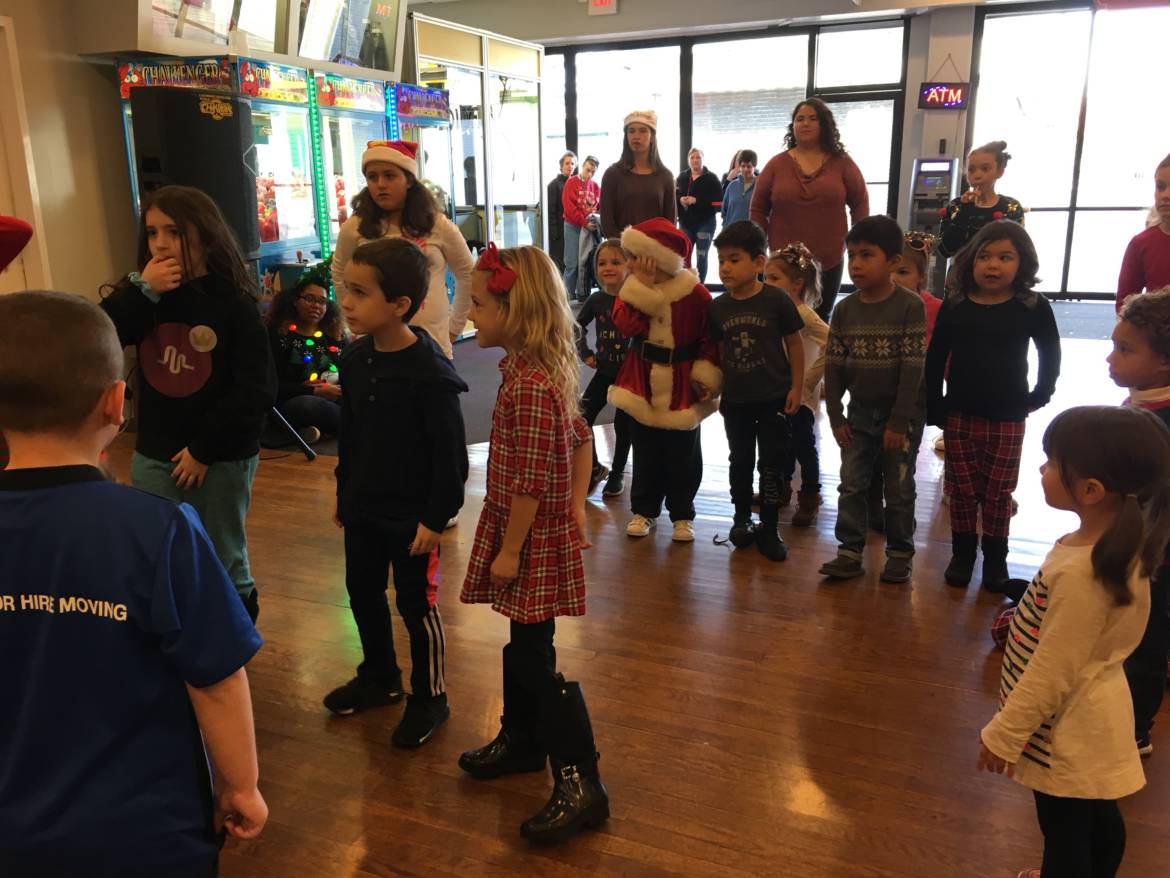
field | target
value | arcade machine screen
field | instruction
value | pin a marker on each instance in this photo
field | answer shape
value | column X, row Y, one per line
column 344, row 139
column 284, row 182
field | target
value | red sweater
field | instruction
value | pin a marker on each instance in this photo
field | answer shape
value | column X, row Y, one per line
column 1146, row 265
column 579, row 200
column 792, row 207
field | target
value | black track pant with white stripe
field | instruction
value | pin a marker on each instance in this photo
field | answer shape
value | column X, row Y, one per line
column 370, row 554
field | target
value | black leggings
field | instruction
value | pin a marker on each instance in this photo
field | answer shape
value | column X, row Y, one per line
column 1083, row 838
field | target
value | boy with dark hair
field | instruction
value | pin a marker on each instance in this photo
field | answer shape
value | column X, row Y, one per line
column 758, row 331
column 1140, row 362
column 121, row 636
column 738, row 191
column 401, row 465
column 876, row 351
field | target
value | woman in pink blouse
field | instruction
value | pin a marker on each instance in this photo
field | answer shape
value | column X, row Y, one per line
column 802, row 193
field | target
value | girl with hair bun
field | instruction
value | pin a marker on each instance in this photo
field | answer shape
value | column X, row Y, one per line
column 980, row 204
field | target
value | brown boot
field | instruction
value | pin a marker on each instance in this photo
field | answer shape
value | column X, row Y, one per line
column 806, row 509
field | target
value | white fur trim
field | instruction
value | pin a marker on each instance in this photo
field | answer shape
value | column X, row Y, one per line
column 708, row 374
column 661, row 382
column 652, row 300
column 391, row 155
column 641, row 411
column 641, row 244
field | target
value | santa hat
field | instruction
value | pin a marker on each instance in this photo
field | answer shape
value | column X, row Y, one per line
column 398, row 152
column 14, row 234
column 642, row 117
column 659, row 239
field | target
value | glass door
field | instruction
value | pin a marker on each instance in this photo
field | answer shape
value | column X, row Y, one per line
column 515, row 163
column 343, row 140
column 466, row 156
column 284, row 179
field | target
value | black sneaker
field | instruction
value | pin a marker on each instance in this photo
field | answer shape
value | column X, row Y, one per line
column 359, row 694
column 743, row 533
column 615, row 485
column 420, row 721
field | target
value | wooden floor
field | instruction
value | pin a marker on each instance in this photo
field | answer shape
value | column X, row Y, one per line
column 753, row 719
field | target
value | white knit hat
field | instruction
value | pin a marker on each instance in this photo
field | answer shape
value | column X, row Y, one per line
column 642, row 117
column 398, row 152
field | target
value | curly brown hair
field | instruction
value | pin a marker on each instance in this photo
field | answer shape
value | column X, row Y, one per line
column 830, row 136
column 1150, row 312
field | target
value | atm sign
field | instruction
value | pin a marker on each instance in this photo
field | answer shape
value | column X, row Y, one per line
column 943, row 95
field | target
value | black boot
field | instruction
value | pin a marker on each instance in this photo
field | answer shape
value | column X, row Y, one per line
column 252, row 604
column 768, row 539
column 516, row 748
column 578, row 798
column 963, row 546
column 995, row 570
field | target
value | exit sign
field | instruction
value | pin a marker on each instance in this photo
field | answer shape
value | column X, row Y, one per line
column 943, row 95
column 603, row 7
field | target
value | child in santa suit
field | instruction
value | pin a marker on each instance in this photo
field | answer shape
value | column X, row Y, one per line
column 669, row 380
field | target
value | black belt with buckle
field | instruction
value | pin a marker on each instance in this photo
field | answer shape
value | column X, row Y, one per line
column 653, row 353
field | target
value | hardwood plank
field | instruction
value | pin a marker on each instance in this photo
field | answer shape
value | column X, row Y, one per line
column 753, row 719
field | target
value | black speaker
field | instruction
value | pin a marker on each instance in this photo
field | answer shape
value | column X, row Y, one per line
column 201, row 139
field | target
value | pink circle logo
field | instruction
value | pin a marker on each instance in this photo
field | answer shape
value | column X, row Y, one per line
column 172, row 364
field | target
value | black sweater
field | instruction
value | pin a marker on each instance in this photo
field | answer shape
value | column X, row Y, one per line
column 611, row 343
column 988, row 350
column 207, row 374
column 289, row 350
column 706, row 189
column 401, row 448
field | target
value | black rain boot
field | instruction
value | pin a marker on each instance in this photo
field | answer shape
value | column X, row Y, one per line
column 995, row 570
column 768, row 539
column 963, row 546
column 578, row 797
column 515, row 749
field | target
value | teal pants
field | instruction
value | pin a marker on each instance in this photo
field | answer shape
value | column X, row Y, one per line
column 222, row 503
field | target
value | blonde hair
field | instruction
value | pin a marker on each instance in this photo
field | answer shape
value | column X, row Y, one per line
column 537, row 320
column 788, row 262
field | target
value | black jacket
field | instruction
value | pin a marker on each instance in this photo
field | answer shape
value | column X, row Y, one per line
column 556, row 209
column 401, row 447
column 706, row 189
column 207, row 375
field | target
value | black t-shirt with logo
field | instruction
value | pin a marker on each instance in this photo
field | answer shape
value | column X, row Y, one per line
column 208, row 379
column 752, row 330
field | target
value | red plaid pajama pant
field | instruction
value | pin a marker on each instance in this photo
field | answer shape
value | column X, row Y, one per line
column 982, row 468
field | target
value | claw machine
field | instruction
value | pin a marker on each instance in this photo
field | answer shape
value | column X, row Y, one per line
column 423, row 116
column 285, row 205
column 351, row 112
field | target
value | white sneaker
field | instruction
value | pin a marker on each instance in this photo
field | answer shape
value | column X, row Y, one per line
column 939, row 445
column 684, row 532
column 310, row 434
column 640, row 526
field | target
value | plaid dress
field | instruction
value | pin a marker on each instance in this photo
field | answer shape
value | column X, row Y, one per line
column 531, row 449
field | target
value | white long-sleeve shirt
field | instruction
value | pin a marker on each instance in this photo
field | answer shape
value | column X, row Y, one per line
column 814, row 336
column 445, row 248
column 1066, row 714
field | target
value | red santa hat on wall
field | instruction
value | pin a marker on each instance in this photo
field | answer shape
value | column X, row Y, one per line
column 14, row 234
column 398, row 152
column 662, row 241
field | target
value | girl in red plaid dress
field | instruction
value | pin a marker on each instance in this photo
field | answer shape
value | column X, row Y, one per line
column 986, row 328
column 526, row 561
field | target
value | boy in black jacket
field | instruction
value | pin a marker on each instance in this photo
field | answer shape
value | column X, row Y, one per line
column 401, row 465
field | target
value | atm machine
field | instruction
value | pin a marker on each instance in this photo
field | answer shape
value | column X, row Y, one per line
column 936, row 182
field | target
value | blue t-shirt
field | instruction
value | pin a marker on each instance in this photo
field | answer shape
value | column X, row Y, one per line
column 111, row 600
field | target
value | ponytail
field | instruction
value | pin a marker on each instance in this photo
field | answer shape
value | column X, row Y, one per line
column 1118, row 550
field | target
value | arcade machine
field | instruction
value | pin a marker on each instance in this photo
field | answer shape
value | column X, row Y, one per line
column 351, row 112
column 285, row 206
column 935, row 183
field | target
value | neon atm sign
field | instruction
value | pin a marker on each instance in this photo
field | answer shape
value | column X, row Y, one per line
column 943, row 95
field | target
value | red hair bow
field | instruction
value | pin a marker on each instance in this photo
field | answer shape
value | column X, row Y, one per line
column 502, row 277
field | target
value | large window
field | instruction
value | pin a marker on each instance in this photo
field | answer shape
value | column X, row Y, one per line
column 866, row 127
column 611, row 84
column 1100, row 201
column 552, row 113
column 732, row 111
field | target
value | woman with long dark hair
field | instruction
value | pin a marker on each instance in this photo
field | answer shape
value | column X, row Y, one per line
column 802, row 194
column 394, row 204
column 638, row 186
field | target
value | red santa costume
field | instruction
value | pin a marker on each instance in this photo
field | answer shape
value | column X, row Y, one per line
column 667, row 323
column 670, row 349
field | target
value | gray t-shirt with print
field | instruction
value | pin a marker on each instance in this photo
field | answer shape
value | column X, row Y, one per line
column 752, row 330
